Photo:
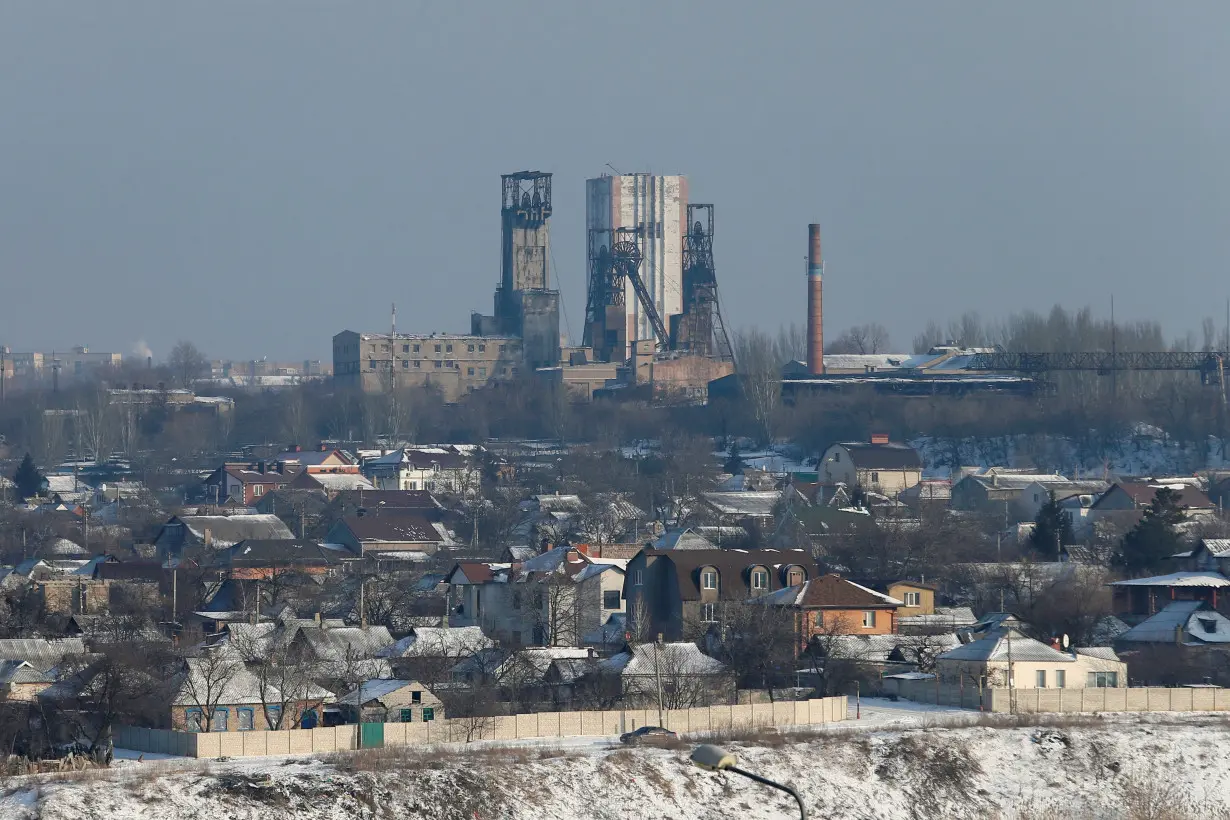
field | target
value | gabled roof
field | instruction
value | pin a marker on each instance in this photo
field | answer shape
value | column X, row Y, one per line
column 439, row 642
column 377, row 689
column 262, row 552
column 238, row 685
column 228, row 530
column 345, row 643
column 17, row 672
column 753, row 504
column 828, row 592
column 393, row 526
column 682, row 539
column 1142, row 494
column 998, row 648
column 675, row 658
column 1198, row 624
column 41, row 653
column 891, row 456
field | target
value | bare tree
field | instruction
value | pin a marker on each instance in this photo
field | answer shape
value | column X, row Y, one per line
column 868, row 338
column 186, row 363
column 207, row 681
column 759, row 643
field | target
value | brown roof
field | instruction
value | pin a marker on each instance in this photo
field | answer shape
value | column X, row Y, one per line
column 392, row 499
column 830, row 592
column 1142, row 494
column 476, row 572
column 393, row 526
column 733, row 567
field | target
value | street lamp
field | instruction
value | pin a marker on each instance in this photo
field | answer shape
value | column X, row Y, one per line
column 716, row 759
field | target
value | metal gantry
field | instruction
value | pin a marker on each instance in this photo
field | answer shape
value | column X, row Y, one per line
column 700, row 328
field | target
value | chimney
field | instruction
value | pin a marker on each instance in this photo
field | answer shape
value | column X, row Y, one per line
column 879, row 438
column 324, row 448
column 815, row 303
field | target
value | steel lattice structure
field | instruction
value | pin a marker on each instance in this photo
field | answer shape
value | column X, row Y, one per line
column 1210, row 365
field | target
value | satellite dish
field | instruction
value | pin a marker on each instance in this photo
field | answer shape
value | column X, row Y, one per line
column 1065, row 640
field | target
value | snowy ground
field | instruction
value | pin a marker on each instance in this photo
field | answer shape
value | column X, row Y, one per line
column 898, row 761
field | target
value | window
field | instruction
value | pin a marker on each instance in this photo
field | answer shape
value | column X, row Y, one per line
column 273, row 714
column 448, row 348
column 416, row 348
column 1209, row 625
column 258, row 490
column 538, row 600
column 708, row 613
column 1035, row 498
column 709, row 579
column 469, row 371
column 405, row 364
column 220, row 716
column 371, row 364
column 1103, row 680
column 439, row 364
column 416, row 696
column 245, row 719
column 911, row 599
column 502, row 348
column 1061, row 678
column 418, row 364
column 405, row 348
column 869, row 619
column 482, row 372
column 437, row 348
column 760, row 579
column 469, row 348
column 407, row 715
column 309, row 720
column 428, row 714
column 482, row 348
column 638, row 578
column 1041, row 678
column 875, row 478
column 610, row 599
column 192, row 717
column 837, row 457
column 795, row 576
column 516, row 603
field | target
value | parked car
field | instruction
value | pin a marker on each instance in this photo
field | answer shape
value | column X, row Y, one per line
column 648, row 734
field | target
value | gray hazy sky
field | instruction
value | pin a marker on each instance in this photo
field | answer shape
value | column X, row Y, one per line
column 256, row 176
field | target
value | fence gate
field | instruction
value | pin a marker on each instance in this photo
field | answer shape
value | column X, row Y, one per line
column 371, row 735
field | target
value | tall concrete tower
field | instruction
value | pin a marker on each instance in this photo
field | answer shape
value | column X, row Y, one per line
column 525, row 305
column 651, row 210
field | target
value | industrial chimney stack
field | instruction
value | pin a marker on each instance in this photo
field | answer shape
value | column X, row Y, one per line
column 815, row 302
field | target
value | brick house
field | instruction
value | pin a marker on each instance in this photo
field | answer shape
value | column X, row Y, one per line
column 832, row 606
column 391, row 701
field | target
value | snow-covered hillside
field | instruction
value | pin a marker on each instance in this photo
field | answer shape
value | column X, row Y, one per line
column 1098, row 768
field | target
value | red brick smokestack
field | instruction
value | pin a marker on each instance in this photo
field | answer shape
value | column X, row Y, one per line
column 815, row 303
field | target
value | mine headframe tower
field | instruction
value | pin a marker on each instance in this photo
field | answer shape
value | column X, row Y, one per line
column 615, row 256
column 700, row 329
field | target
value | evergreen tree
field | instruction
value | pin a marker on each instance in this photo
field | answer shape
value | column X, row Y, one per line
column 1156, row 537
column 28, row 479
column 734, row 462
column 1052, row 529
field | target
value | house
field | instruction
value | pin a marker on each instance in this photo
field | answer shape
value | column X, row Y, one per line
column 736, row 507
column 1138, row 598
column 1076, row 498
column 684, row 676
column 927, row 494
column 330, row 483
column 877, row 465
column 217, row 693
column 997, row 491
column 830, row 606
column 942, row 619
column 1210, row 555
column 1182, row 623
column 436, row 469
column 43, row 654
column 1135, row 496
column 262, row 559
column 390, row 701
column 430, row 653
column 1010, row 659
column 549, row 599
column 20, row 681
column 334, row 650
column 323, row 459
column 668, row 590
column 195, row 532
column 917, row 599
column 245, row 484
column 393, row 535
column 542, row 674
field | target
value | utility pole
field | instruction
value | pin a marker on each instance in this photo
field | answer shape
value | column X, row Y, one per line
column 657, row 673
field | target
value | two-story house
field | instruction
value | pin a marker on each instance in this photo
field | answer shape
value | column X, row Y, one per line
column 437, row 469
column 551, row 599
column 879, row 465
column 682, row 592
column 830, row 607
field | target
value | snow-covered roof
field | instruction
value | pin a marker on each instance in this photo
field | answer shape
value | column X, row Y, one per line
column 41, row 653
column 676, row 658
column 376, row 689
column 999, row 647
column 756, row 504
column 953, row 617
column 439, row 642
column 1104, row 653
column 204, row 676
column 342, row 481
column 1178, row 579
column 1198, row 625
column 682, row 539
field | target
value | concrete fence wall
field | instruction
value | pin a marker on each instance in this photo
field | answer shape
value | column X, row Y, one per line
column 1151, row 699
column 463, row 730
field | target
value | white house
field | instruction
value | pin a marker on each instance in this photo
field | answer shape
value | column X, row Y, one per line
column 879, row 465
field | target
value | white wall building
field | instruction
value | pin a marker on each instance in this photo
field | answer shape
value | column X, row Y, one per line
column 659, row 206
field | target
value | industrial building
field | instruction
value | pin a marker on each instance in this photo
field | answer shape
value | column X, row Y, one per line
column 650, row 212
column 453, row 363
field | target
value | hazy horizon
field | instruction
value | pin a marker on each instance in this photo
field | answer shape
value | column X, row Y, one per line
column 258, row 177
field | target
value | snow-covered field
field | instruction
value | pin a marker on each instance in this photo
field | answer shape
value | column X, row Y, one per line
column 897, row 762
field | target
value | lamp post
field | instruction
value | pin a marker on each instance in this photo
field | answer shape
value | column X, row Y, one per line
column 717, row 759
